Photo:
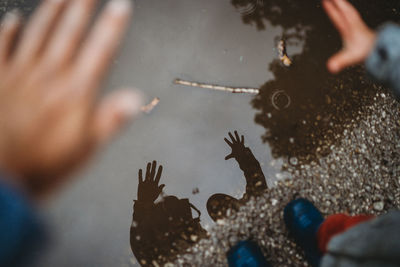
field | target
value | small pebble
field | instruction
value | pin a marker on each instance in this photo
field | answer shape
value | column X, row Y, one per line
column 379, row 206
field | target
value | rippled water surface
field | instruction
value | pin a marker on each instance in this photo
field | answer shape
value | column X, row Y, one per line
column 293, row 120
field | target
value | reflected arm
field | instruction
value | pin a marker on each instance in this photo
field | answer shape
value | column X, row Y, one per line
column 142, row 233
column 255, row 180
column 142, row 212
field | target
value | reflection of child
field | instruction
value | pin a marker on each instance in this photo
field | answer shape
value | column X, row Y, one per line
column 219, row 204
column 160, row 231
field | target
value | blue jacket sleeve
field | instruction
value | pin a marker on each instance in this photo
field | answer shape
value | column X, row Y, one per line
column 384, row 61
column 21, row 229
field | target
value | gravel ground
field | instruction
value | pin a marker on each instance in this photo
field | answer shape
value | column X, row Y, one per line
column 360, row 175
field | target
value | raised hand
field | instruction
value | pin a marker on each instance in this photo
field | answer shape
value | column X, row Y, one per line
column 358, row 38
column 50, row 72
column 148, row 189
column 237, row 145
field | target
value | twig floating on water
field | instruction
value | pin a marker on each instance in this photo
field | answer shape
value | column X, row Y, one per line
column 235, row 90
column 149, row 107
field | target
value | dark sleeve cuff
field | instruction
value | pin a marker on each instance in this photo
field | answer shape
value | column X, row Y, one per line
column 21, row 229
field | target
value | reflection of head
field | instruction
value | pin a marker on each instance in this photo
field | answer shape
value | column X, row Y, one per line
column 219, row 204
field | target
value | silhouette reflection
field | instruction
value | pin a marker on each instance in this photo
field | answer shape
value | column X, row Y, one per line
column 161, row 230
column 219, row 204
column 304, row 108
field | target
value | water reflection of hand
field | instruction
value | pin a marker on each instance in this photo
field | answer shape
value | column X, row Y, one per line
column 148, row 189
column 237, row 145
column 358, row 38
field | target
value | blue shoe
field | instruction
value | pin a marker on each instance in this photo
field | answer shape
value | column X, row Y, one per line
column 246, row 254
column 303, row 219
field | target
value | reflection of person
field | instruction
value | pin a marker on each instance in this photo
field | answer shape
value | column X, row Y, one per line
column 162, row 230
column 218, row 204
column 255, row 180
column 50, row 120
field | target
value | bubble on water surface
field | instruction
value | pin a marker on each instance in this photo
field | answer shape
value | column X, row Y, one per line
column 280, row 100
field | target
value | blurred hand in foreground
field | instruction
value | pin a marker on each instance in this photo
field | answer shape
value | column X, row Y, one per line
column 358, row 38
column 50, row 119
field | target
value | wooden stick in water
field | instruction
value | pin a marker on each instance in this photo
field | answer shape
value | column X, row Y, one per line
column 235, row 90
column 149, row 107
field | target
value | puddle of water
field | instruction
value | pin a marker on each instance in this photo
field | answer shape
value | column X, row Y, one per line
column 299, row 112
column 304, row 108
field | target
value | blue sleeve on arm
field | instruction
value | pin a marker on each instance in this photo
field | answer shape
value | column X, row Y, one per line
column 21, row 230
column 384, row 61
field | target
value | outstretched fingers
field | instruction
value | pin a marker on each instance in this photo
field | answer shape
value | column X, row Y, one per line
column 357, row 38
column 228, row 142
column 114, row 112
column 340, row 61
column 35, row 34
column 11, row 25
column 336, row 16
column 68, row 35
column 98, row 50
column 349, row 12
column 161, row 187
column 231, row 136
column 237, row 137
column 230, row 156
column 233, row 143
column 148, row 171
column 153, row 170
column 158, row 176
column 140, row 176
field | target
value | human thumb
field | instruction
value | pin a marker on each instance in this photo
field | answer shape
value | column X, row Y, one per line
column 114, row 111
column 340, row 61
